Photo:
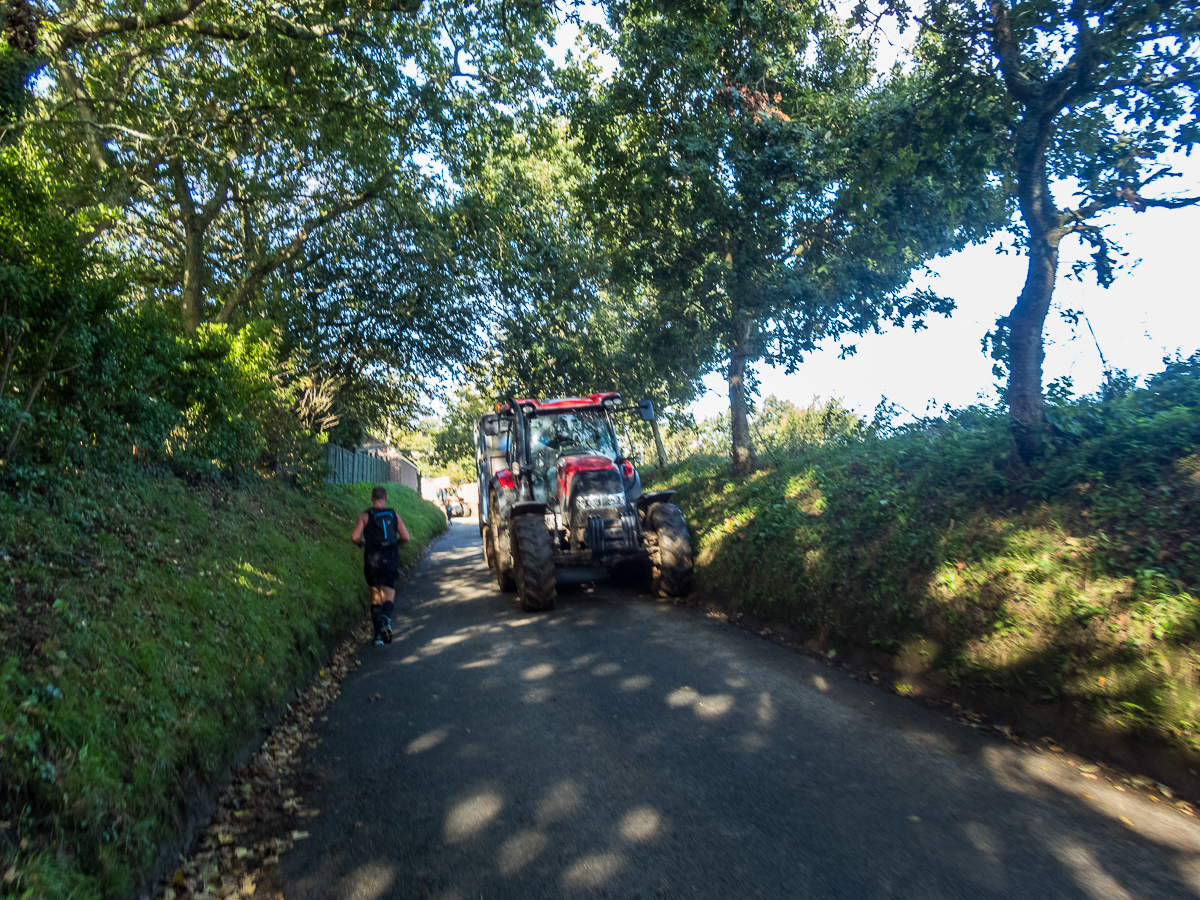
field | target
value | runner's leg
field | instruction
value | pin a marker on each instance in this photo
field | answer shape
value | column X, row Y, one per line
column 385, row 608
column 377, row 594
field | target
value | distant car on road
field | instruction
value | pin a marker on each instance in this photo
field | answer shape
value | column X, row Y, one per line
column 458, row 506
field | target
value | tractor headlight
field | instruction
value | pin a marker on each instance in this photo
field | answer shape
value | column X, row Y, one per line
column 600, row 501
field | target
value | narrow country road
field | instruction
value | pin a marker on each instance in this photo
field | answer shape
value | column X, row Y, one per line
column 624, row 748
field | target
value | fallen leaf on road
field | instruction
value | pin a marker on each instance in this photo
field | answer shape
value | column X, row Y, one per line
column 1125, row 821
column 258, row 800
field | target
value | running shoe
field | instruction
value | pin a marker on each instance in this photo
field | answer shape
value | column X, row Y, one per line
column 386, row 631
column 378, row 642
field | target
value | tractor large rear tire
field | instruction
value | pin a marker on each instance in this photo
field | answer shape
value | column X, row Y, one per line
column 489, row 547
column 502, row 552
column 533, row 559
column 670, row 551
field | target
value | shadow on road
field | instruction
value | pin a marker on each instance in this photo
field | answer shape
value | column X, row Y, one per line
column 625, row 748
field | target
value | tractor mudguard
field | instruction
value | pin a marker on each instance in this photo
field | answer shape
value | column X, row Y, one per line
column 645, row 501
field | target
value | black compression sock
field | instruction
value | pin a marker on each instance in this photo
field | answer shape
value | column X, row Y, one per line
column 388, row 606
column 376, row 615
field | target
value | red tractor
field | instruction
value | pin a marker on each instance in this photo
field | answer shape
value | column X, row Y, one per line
column 555, row 491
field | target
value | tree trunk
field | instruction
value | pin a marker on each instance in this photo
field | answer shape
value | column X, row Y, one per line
column 192, row 296
column 195, row 224
column 1026, row 352
column 739, row 419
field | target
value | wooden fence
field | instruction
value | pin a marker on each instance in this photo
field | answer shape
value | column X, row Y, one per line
column 351, row 467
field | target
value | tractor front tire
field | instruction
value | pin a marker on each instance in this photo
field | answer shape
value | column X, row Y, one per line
column 533, row 560
column 670, row 551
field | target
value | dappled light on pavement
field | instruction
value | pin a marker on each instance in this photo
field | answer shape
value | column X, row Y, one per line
column 626, row 748
column 470, row 816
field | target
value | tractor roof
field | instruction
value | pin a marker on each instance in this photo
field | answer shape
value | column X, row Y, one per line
column 592, row 401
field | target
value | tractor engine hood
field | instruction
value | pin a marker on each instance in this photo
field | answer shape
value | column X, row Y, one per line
column 589, row 481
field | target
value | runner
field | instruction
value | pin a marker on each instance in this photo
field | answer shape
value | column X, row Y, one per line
column 380, row 532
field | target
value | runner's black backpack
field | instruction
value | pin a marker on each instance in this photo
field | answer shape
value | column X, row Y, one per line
column 382, row 529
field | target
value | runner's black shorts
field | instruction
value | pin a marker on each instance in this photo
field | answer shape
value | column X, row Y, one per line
column 382, row 568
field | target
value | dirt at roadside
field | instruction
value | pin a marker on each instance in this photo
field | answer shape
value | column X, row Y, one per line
column 262, row 812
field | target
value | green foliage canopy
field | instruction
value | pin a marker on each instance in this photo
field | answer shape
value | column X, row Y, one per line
column 210, row 142
column 755, row 182
column 557, row 326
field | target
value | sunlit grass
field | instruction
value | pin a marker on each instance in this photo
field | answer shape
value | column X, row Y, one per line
column 160, row 624
column 1075, row 582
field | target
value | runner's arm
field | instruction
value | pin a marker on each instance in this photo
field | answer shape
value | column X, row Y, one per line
column 402, row 531
column 357, row 534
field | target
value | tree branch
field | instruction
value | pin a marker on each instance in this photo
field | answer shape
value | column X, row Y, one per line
column 1172, row 203
column 88, row 30
column 264, row 267
column 1007, row 49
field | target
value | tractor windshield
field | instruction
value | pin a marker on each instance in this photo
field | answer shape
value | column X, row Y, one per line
column 551, row 435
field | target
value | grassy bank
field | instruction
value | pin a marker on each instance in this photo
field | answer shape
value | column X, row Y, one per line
column 145, row 629
column 1075, row 582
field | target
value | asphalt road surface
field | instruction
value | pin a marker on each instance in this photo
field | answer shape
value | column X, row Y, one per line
column 620, row 747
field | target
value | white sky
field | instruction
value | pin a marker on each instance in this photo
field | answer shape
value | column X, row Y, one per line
column 1149, row 312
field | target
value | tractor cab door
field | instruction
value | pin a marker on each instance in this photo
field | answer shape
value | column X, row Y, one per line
column 492, row 444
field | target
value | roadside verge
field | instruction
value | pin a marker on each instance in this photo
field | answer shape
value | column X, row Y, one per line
column 147, row 631
column 1070, row 614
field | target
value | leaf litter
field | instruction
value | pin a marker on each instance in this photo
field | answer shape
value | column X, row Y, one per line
column 256, row 813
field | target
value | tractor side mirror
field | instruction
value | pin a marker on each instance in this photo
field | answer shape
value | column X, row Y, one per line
column 646, row 408
column 491, row 427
